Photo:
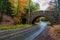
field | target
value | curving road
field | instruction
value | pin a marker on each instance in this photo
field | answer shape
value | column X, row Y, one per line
column 28, row 33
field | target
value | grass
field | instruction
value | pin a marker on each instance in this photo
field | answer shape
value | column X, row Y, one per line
column 14, row 27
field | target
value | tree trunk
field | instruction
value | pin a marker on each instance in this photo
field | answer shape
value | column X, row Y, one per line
column 1, row 17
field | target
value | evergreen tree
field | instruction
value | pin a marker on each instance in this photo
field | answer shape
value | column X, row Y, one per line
column 1, row 10
column 55, row 5
column 5, row 8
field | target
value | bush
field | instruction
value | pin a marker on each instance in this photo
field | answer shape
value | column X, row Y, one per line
column 44, row 19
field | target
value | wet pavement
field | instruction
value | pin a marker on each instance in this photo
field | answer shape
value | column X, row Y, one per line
column 21, row 34
column 48, row 34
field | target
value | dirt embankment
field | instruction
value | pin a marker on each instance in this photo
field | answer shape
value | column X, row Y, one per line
column 7, row 20
column 49, row 34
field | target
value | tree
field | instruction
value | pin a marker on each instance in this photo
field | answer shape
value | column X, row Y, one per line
column 55, row 5
column 20, row 11
column 33, row 6
column 7, row 7
column 2, row 10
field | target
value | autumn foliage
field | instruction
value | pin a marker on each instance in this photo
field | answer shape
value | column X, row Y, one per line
column 17, row 8
column 21, row 5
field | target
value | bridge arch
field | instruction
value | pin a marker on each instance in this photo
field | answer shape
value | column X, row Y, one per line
column 35, row 15
column 33, row 21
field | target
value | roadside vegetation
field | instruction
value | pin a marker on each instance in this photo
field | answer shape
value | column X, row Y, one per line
column 14, row 27
column 42, row 19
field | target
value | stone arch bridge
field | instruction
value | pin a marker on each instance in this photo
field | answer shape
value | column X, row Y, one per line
column 33, row 16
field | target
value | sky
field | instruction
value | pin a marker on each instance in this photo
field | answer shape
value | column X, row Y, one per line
column 44, row 4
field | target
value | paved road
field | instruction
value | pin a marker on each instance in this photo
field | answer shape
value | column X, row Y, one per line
column 28, row 33
column 48, row 34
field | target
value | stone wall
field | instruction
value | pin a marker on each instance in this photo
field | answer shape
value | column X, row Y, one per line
column 47, row 14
